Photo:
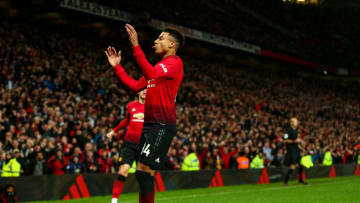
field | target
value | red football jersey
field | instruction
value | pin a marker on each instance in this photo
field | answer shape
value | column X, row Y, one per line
column 134, row 121
column 162, row 82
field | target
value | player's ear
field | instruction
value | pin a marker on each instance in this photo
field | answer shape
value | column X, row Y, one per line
column 172, row 44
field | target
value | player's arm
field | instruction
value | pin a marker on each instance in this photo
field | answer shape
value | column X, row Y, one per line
column 114, row 59
column 121, row 125
column 131, row 83
column 163, row 70
column 166, row 69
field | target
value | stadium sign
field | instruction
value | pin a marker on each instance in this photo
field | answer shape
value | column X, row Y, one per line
column 96, row 9
column 227, row 42
column 207, row 37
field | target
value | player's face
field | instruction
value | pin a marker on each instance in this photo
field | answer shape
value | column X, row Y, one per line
column 142, row 94
column 163, row 43
column 294, row 122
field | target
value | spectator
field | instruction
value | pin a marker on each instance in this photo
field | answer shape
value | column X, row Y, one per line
column 243, row 162
column 233, row 161
column 2, row 160
column 173, row 159
column 39, row 166
column 8, row 194
column 219, row 164
column 258, row 161
column 200, row 156
column 327, row 160
column 278, row 160
column 90, row 163
column 191, row 162
column 226, row 155
column 209, row 161
column 75, row 166
column 115, row 163
column 338, row 157
column 104, row 162
column 57, row 163
column 268, row 152
column 11, row 167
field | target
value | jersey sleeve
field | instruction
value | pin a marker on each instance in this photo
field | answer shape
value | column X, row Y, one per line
column 124, row 123
column 131, row 83
column 168, row 68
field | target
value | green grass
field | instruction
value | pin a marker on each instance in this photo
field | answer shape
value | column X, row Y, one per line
column 339, row 189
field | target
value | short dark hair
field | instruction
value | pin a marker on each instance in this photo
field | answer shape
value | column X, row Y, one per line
column 178, row 37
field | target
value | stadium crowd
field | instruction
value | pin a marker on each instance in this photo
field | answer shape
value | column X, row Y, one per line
column 59, row 98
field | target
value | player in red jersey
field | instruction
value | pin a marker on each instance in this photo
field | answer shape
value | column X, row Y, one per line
column 134, row 121
column 162, row 82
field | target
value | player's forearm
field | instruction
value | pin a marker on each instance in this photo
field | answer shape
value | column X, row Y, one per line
column 128, row 81
column 146, row 67
column 121, row 125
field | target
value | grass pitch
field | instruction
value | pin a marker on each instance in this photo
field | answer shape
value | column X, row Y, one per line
column 339, row 189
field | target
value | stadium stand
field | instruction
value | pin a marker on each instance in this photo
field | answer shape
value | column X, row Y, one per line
column 59, row 98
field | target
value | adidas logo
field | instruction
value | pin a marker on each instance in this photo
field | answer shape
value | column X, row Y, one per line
column 133, row 109
column 159, row 185
column 74, row 189
column 217, row 181
column 157, row 160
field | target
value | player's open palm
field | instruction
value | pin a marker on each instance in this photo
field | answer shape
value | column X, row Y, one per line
column 133, row 36
column 114, row 57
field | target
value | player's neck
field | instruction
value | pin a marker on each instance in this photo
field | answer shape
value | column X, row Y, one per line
column 141, row 101
column 169, row 53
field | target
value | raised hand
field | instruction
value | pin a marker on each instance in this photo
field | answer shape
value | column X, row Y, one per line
column 110, row 134
column 133, row 36
column 114, row 57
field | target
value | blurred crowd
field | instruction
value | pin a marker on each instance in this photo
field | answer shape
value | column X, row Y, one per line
column 308, row 32
column 59, row 98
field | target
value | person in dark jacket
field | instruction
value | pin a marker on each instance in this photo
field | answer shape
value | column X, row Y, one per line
column 75, row 166
column 39, row 166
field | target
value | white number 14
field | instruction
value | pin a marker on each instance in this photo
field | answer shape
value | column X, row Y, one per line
column 146, row 149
